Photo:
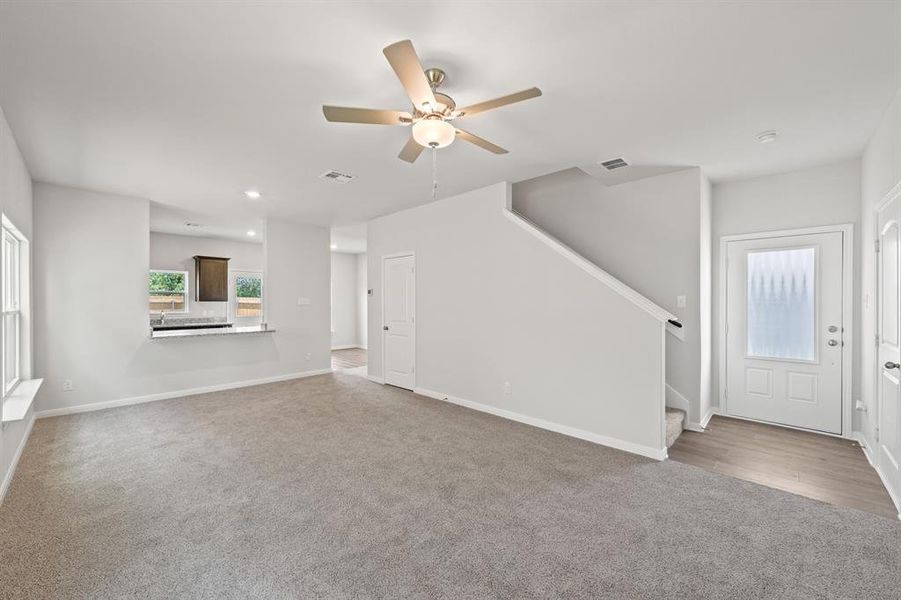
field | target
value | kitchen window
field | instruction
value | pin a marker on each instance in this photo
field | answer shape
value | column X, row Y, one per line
column 168, row 291
column 246, row 297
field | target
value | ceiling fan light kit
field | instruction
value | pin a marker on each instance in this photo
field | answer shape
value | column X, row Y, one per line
column 433, row 133
column 432, row 110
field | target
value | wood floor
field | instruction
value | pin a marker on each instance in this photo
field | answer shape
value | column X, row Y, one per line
column 348, row 359
column 825, row 468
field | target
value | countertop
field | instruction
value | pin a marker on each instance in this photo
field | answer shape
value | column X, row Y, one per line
column 181, row 333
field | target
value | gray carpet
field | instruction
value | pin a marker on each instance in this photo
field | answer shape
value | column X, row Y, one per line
column 337, row 487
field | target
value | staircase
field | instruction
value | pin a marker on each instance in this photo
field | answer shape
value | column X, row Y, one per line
column 675, row 419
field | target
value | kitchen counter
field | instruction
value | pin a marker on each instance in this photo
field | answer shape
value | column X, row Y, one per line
column 182, row 333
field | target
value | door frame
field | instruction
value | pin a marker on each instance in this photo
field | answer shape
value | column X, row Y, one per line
column 847, row 231
column 386, row 257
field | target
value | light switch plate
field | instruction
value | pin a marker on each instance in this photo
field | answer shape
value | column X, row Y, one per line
column 681, row 302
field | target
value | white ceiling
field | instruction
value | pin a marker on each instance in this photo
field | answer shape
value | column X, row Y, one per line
column 168, row 219
column 190, row 103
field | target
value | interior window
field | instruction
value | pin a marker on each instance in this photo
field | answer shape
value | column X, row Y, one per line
column 168, row 291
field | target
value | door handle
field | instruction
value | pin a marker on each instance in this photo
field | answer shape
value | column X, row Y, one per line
column 385, row 327
column 892, row 365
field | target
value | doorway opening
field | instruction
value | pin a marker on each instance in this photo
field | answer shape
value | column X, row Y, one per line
column 349, row 300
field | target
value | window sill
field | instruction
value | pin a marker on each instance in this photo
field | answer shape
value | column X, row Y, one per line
column 16, row 405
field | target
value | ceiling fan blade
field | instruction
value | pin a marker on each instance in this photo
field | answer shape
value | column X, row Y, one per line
column 410, row 151
column 474, row 109
column 373, row 116
column 406, row 65
column 480, row 142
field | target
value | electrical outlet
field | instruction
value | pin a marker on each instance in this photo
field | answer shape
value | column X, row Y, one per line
column 859, row 405
column 67, row 385
column 508, row 389
column 681, row 302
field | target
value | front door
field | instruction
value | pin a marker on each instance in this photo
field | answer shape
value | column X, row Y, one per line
column 399, row 312
column 784, row 346
column 888, row 436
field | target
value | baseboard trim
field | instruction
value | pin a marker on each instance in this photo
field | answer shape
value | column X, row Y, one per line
column 581, row 434
column 81, row 408
column 349, row 347
column 375, row 379
column 702, row 426
column 8, row 478
column 868, row 452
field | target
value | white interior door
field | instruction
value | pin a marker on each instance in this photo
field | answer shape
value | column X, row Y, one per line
column 888, row 434
column 398, row 320
column 784, row 346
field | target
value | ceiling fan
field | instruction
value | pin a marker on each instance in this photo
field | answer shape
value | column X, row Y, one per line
column 432, row 110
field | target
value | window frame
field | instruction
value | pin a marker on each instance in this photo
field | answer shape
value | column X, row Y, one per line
column 11, row 272
column 187, row 301
column 233, row 302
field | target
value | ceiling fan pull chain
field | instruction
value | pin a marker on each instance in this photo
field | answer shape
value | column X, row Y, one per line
column 434, row 174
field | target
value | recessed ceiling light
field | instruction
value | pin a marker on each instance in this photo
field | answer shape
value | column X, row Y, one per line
column 767, row 137
column 334, row 246
column 253, row 194
column 251, row 232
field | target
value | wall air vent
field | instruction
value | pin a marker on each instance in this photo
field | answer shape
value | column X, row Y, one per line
column 614, row 163
column 336, row 176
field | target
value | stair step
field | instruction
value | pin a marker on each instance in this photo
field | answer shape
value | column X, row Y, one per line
column 675, row 419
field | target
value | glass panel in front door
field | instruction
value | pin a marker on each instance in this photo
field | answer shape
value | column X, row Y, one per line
column 782, row 304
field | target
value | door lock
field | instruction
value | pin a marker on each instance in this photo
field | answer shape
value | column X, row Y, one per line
column 833, row 328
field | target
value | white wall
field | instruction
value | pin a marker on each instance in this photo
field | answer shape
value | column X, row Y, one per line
column 16, row 204
column 344, row 300
column 880, row 172
column 705, row 306
column 362, row 301
column 495, row 304
column 649, row 234
column 87, row 241
column 825, row 195
column 176, row 253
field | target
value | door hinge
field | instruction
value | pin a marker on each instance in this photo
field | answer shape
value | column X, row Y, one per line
column 876, row 433
column 877, row 338
column 876, row 245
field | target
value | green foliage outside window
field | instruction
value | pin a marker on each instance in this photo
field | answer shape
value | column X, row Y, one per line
column 163, row 282
column 248, row 287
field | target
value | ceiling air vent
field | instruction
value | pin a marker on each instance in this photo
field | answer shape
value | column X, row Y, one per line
column 336, row 176
column 614, row 163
